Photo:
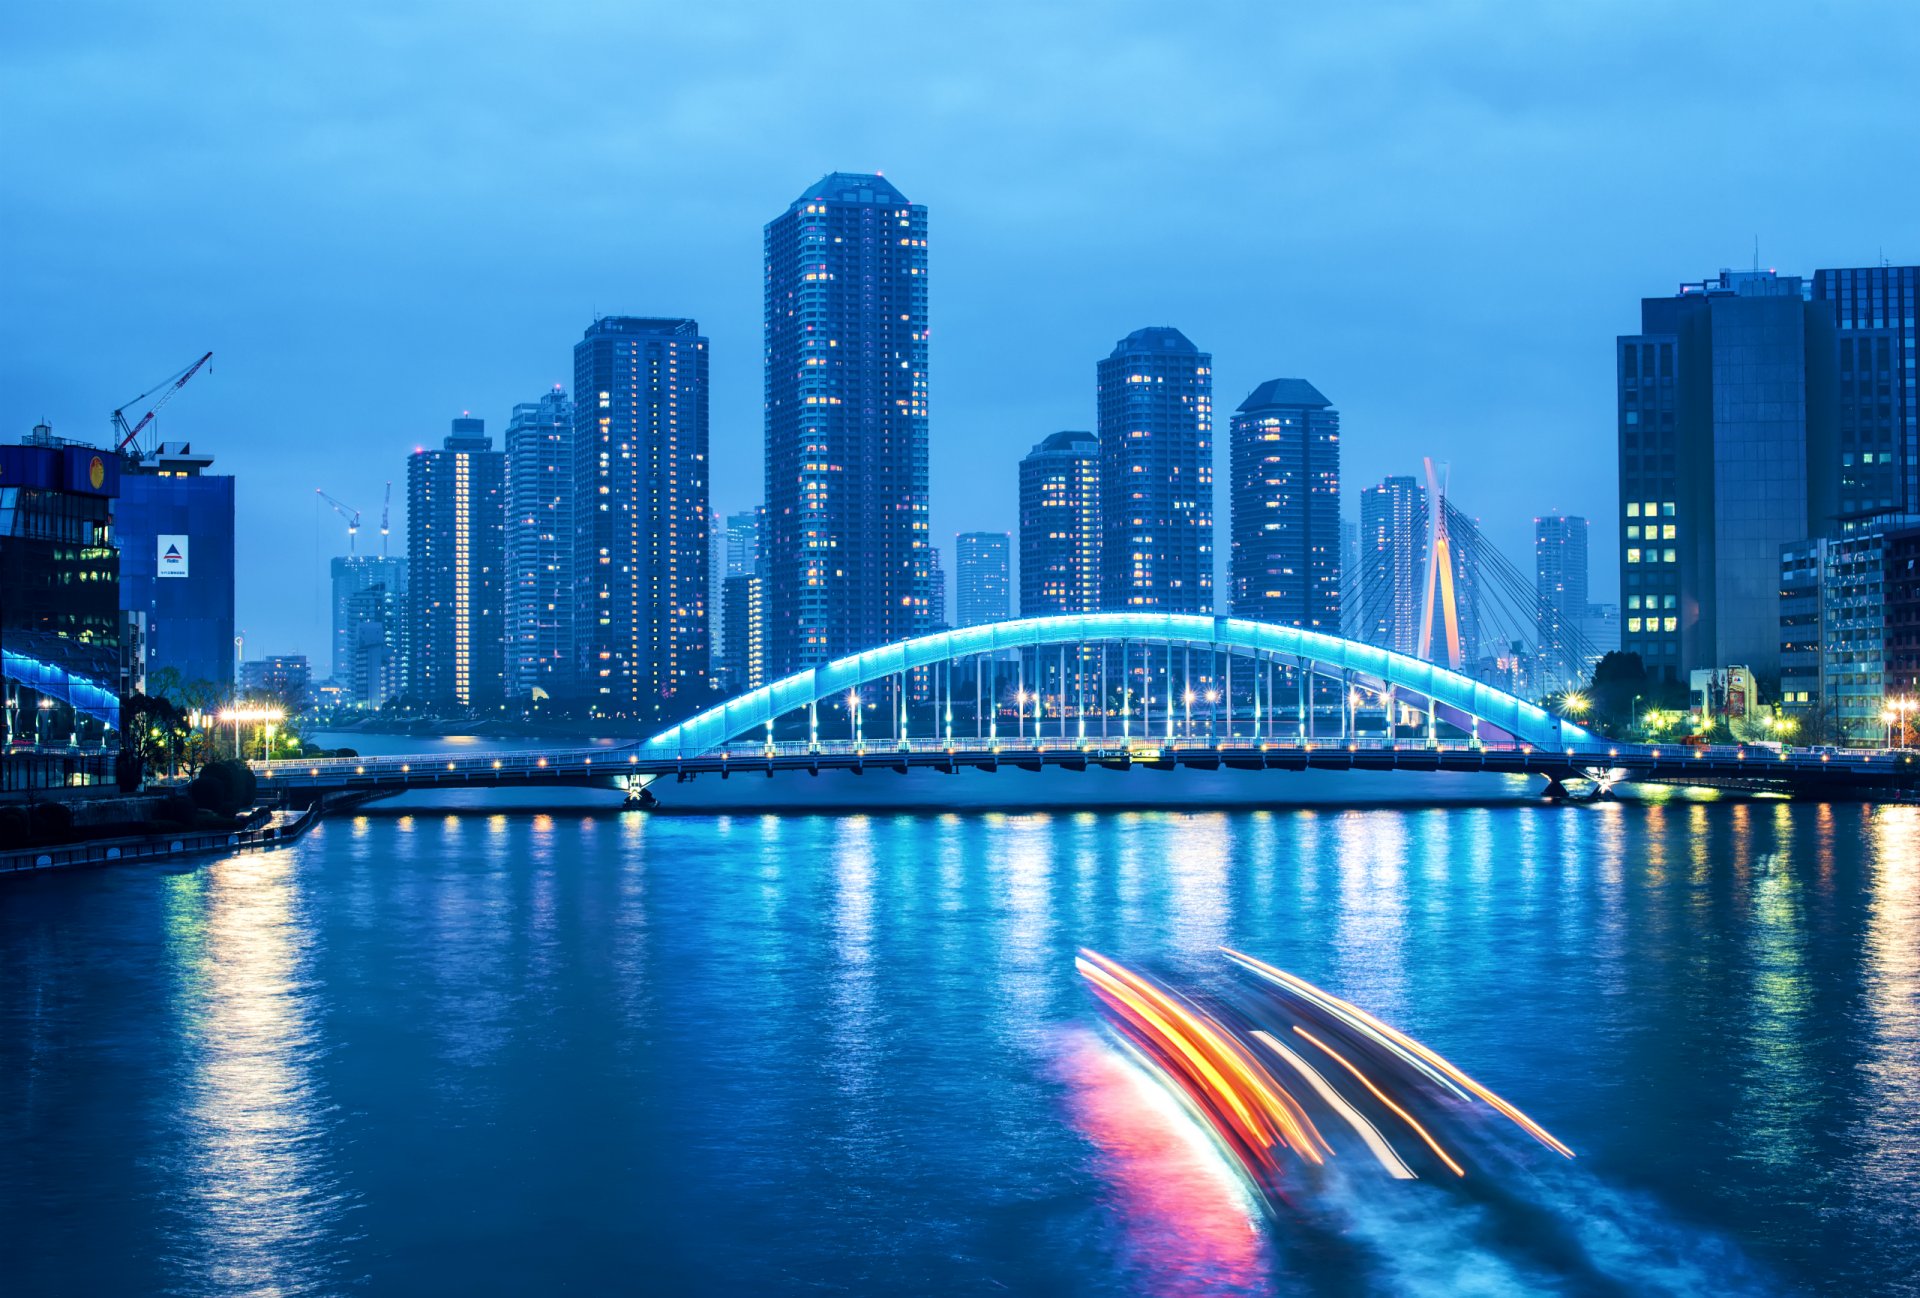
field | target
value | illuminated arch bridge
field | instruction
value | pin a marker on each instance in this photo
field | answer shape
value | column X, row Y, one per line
column 1131, row 677
column 1115, row 690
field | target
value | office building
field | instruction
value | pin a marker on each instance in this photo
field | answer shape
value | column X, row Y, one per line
column 640, row 385
column 174, row 521
column 1560, row 593
column 1853, row 643
column 1284, row 512
column 938, row 618
column 1728, row 451
column 374, row 669
column 543, row 502
column 983, row 589
column 1903, row 617
column 1803, row 617
column 846, row 540
column 285, row 677
column 1155, row 421
column 744, row 665
column 456, row 579
column 1060, row 525
column 1878, row 438
column 61, row 622
column 1393, row 564
column 352, row 574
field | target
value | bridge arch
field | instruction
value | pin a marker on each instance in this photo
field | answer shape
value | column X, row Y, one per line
column 1313, row 665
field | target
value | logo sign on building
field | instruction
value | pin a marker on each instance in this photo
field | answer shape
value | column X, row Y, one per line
column 173, row 555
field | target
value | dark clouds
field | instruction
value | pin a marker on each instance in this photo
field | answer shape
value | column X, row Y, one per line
column 378, row 216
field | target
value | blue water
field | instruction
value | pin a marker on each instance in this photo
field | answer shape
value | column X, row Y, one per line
column 606, row 1053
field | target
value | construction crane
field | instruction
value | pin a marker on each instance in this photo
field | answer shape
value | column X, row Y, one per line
column 172, row 383
column 386, row 514
column 345, row 511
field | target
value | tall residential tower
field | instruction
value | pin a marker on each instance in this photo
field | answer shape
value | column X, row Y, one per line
column 456, row 579
column 1155, row 417
column 1285, row 507
column 846, row 539
column 1060, row 526
column 643, row 516
column 542, row 504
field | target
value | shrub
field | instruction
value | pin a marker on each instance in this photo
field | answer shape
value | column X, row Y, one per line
column 179, row 809
column 52, row 821
column 223, row 787
column 14, row 826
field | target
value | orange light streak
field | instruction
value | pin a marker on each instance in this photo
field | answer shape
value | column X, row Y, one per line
column 1402, row 1044
column 1380, row 1095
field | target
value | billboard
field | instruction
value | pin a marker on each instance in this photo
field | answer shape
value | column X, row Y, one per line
column 173, row 555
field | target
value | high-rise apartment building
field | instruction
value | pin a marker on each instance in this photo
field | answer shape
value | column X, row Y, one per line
column 1728, row 451
column 374, row 669
column 1155, row 420
column 1878, row 442
column 174, row 522
column 1393, row 564
column 644, row 517
column 983, row 588
column 456, row 583
column 742, row 642
column 1284, row 513
column 542, row 504
column 1560, row 590
column 846, row 538
column 1060, row 525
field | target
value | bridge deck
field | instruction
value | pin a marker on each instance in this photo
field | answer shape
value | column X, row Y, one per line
column 1747, row 767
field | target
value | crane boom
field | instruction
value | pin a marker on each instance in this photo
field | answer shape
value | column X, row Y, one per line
column 345, row 511
column 177, row 381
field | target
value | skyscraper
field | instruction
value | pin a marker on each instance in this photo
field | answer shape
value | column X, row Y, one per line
column 542, row 504
column 1393, row 563
column 983, row 584
column 174, row 525
column 1060, row 526
column 1155, row 418
column 1285, row 507
column 1879, row 394
column 640, row 412
column 1560, row 587
column 846, row 421
column 936, row 592
column 352, row 575
column 1728, row 451
column 743, row 592
column 456, row 583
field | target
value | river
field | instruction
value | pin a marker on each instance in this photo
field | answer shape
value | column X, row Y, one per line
column 580, row 1050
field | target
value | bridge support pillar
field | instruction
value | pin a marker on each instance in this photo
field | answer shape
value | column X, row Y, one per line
column 1555, row 791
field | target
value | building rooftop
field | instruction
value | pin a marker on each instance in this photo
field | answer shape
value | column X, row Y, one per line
column 1285, row 392
column 673, row 326
column 1159, row 338
column 1071, row 440
column 852, row 187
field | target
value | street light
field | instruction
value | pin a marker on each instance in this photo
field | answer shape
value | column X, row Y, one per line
column 1575, row 704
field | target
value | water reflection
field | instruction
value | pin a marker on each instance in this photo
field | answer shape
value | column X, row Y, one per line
column 261, row 1205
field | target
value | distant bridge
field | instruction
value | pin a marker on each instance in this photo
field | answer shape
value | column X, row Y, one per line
column 1114, row 690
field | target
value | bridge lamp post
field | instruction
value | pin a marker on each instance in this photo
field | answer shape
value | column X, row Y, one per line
column 1187, row 700
column 1213, row 697
column 853, row 710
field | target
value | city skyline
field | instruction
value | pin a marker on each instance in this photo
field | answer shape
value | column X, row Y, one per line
column 315, row 228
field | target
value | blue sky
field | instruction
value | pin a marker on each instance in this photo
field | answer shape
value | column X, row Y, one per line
column 378, row 216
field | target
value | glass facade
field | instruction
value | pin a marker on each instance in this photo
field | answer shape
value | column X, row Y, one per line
column 1879, row 398
column 846, row 539
column 175, row 527
column 1726, row 454
column 1284, row 515
column 983, row 582
column 1393, row 564
column 1560, row 589
column 645, row 516
column 1155, row 421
